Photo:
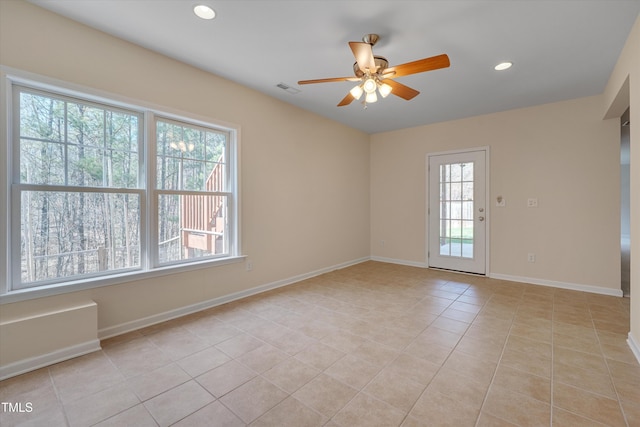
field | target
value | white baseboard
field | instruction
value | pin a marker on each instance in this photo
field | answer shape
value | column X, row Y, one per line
column 194, row 308
column 33, row 363
column 37, row 362
column 635, row 346
column 530, row 280
column 399, row 261
column 561, row 285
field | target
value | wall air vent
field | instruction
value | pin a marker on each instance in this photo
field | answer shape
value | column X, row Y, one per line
column 287, row 88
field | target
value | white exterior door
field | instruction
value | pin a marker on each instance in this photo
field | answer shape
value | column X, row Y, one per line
column 457, row 211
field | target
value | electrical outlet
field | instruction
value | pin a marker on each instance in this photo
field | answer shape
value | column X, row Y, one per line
column 532, row 203
column 249, row 265
column 531, row 257
column 382, row 242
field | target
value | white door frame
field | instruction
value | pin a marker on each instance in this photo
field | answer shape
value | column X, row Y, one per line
column 487, row 151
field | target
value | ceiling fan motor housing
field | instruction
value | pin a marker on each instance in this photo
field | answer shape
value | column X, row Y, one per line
column 381, row 64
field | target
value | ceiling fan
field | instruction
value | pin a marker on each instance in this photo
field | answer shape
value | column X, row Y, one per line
column 374, row 73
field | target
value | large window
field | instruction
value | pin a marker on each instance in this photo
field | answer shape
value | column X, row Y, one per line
column 101, row 190
column 192, row 191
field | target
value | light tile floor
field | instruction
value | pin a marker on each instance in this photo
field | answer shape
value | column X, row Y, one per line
column 371, row 345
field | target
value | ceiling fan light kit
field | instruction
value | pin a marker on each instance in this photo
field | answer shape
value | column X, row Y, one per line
column 373, row 73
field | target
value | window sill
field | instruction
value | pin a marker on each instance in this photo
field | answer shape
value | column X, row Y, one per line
column 81, row 285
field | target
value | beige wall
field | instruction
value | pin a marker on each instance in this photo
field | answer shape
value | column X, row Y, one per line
column 622, row 91
column 334, row 193
column 305, row 179
column 563, row 154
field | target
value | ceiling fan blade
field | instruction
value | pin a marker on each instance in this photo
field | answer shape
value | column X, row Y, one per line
column 419, row 66
column 398, row 89
column 364, row 56
column 346, row 100
column 333, row 79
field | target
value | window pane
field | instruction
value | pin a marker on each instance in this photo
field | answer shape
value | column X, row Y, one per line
column 445, row 210
column 467, row 239
column 69, row 143
column 86, row 166
column 193, row 175
column 191, row 227
column 467, row 171
column 42, row 162
column 188, row 156
column 445, row 191
column 41, row 117
column 467, row 191
column 467, row 210
column 456, row 210
column 67, row 234
column 456, row 191
column 456, row 229
column 445, row 241
column 86, row 125
column 96, row 167
column 456, row 172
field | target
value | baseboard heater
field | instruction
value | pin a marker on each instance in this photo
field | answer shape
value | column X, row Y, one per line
column 40, row 339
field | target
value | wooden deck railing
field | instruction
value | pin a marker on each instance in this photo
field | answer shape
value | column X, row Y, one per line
column 202, row 221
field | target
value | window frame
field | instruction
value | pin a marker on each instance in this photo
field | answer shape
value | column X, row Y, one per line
column 157, row 192
column 11, row 189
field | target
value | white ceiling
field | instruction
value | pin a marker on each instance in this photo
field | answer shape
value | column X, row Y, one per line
column 561, row 49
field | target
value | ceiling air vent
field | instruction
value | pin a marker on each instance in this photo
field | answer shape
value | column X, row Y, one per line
column 287, row 88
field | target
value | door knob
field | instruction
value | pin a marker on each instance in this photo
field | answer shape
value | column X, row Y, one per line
column 481, row 218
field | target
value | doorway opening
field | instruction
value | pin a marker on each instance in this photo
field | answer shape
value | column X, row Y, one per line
column 457, row 211
column 625, row 195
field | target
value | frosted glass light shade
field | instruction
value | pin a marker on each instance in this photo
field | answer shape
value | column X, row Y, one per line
column 371, row 97
column 385, row 90
column 356, row 92
column 370, row 86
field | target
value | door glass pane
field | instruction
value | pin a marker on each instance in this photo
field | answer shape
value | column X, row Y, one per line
column 467, row 210
column 456, row 210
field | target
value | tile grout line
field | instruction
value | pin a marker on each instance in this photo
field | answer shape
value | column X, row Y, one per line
column 493, row 377
column 615, row 389
column 320, row 372
column 58, row 398
column 406, row 415
column 395, row 358
column 596, row 393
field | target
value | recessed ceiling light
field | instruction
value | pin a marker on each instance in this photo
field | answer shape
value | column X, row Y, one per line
column 204, row 12
column 503, row 66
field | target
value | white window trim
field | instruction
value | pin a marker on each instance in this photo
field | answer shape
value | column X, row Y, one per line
column 9, row 77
